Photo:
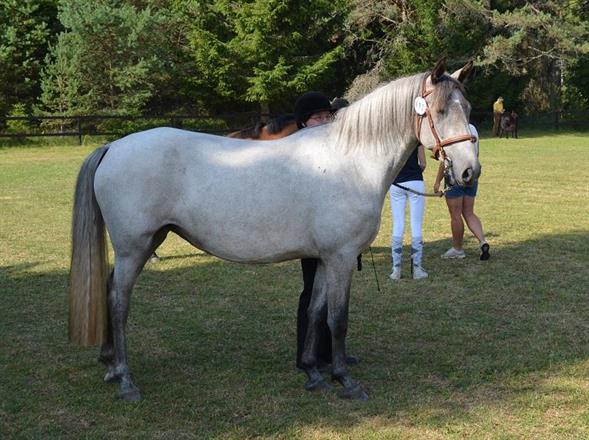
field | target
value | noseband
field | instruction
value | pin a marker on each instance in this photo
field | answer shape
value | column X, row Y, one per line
column 422, row 109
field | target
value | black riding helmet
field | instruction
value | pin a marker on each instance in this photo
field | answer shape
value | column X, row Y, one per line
column 308, row 104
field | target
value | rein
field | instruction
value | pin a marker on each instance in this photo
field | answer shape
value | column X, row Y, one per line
column 424, row 194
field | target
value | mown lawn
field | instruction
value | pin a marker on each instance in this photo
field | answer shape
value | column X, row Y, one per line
column 480, row 350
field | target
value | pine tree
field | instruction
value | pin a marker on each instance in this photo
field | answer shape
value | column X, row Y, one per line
column 540, row 41
column 107, row 60
column 266, row 51
column 27, row 27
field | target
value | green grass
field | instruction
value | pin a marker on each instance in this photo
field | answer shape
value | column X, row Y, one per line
column 480, row 350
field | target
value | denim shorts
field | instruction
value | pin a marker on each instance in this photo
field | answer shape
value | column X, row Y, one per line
column 461, row 191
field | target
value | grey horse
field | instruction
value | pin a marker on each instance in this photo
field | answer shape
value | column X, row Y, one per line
column 315, row 194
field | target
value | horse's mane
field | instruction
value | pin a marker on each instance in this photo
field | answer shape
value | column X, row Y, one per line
column 277, row 124
column 274, row 126
column 386, row 116
column 252, row 132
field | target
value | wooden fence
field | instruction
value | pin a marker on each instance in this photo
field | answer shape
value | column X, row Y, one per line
column 118, row 125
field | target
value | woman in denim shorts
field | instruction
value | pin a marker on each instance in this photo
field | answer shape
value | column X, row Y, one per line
column 460, row 201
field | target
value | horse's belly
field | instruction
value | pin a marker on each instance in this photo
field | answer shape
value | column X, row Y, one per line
column 247, row 245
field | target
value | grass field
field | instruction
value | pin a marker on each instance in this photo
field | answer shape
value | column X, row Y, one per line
column 480, row 350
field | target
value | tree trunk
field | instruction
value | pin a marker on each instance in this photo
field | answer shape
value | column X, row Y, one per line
column 555, row 91
column 265, row 111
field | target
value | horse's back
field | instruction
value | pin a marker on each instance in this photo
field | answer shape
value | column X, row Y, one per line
column 227, row 196
column 165, row 140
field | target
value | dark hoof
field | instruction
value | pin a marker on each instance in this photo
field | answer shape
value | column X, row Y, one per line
column 354, row 393
column 130, row 395
column 317, row 384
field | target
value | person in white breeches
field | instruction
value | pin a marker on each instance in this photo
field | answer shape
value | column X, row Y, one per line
column 411, row 177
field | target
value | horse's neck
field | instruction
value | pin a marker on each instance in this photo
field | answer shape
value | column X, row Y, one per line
column 378, row 171
column 398, row 161
column 379, row 130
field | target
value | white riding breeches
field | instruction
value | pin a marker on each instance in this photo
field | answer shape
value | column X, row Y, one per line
column 399, row 199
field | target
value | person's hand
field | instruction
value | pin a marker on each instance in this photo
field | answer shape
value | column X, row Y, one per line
column 437, row 188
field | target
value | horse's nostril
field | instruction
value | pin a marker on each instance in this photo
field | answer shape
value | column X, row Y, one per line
column 467, row 175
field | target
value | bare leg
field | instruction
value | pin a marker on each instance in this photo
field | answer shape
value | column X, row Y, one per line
column 472, row 220
column 456, row 223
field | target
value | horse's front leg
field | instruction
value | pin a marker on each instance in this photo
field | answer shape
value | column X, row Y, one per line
column 315, row 317
column 338, row 276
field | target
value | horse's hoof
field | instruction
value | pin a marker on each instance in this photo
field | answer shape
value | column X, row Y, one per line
column 132, row 395
column 317, row 384
column 354, row 393
column 154, row 260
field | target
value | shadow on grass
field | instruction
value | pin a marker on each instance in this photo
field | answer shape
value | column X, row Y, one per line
column 52, row 141
column 212, row 344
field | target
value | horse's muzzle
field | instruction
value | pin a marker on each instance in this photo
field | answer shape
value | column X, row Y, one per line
column 470, row 176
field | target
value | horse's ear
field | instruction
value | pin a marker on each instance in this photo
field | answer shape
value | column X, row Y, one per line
column 464, row 74
column 439, row 70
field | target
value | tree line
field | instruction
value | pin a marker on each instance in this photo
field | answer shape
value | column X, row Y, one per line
column 133, row 57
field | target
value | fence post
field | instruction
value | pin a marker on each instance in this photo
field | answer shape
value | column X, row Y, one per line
column 556, row 119
column 79, row 126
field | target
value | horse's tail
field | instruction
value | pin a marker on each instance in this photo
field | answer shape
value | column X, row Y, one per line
column 89, row 264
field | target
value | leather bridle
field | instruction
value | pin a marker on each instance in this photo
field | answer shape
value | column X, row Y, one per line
column 438, row 149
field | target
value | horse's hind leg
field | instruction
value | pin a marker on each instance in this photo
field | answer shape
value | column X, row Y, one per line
column 107, row 351
column 125, row 273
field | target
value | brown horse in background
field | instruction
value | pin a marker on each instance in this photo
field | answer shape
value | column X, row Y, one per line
column 508, row 124
column 276, row 128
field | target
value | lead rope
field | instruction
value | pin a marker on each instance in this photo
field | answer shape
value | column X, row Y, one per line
column 374, row 267
column 419, row 193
